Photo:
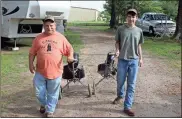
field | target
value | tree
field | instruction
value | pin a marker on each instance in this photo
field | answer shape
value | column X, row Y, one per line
column 113, row 14
column 170, row 8
column 149, row 6
column 179, row 21
column 105, row 16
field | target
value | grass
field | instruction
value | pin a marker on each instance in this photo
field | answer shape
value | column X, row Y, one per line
column 12, row 64
column 100, row 26
column 167, row 50
column 88, row 24
column 74, row 39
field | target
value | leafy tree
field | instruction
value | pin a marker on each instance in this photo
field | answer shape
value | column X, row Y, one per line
column 170, row 8
column 105, row 16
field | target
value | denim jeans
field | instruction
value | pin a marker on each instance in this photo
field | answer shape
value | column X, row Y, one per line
column 127, row 69
column 47, row 91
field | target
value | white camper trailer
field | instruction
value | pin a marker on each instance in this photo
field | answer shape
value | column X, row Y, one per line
column 24, row 18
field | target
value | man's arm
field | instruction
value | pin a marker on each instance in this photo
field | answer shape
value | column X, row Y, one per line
column 32, row 54
column 70, row 55
column 140, row 55
column 140, row 51
column 117, row 44
column 67, row 50
column 117, row 48
column 31, row 65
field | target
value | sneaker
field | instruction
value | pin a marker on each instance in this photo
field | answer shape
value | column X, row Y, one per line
column 49, row 115
column 42, row 109
column 117, row 100
column 129, row 112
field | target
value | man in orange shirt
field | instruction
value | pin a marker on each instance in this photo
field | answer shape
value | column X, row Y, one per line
column 49, row 47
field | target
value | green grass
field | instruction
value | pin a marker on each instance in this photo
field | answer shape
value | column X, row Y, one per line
column 12, row 64
column 168, row 50
column 88, row 24
column 74, row 39
column 100, row 26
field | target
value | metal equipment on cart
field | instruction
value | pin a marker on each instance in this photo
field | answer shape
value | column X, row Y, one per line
column 106, row 70
column 73, row 72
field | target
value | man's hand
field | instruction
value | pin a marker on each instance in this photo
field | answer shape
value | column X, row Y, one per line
column 117, row 53
column 32, row 68
column 70, row 59
column 140, row 63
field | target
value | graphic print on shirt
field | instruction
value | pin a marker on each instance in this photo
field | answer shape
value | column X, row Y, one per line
column 48, row 46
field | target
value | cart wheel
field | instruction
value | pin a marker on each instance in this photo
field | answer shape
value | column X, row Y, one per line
column 94, row 89
column 60, row 94
column 89, row 91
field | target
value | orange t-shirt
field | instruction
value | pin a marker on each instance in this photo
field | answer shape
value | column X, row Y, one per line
column 49, row 50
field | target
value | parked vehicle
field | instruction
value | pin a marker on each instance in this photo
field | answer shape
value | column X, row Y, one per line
column 156, row 23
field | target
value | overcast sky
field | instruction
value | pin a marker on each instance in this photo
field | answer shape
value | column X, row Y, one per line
column 86, row 4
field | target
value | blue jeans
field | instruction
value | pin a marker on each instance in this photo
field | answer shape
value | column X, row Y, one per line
column 127, row 69
column 47, row 91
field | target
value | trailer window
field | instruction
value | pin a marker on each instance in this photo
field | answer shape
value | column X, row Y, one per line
column 29, row 28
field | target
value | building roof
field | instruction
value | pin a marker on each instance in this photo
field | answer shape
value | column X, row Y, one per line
column 84, row 8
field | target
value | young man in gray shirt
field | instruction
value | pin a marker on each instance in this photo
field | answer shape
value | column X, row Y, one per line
column 129, row 52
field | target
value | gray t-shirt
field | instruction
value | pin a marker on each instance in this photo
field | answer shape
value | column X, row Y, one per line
column 129, row 39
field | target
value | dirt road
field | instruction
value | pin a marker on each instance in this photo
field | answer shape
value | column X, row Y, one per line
column 158, row 90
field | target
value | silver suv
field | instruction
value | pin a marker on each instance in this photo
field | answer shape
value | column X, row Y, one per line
column 156, row 23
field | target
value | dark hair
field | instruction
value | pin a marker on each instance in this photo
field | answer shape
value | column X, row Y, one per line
column 131, row 13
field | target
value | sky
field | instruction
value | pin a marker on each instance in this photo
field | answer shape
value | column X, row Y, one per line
column 85, row 4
